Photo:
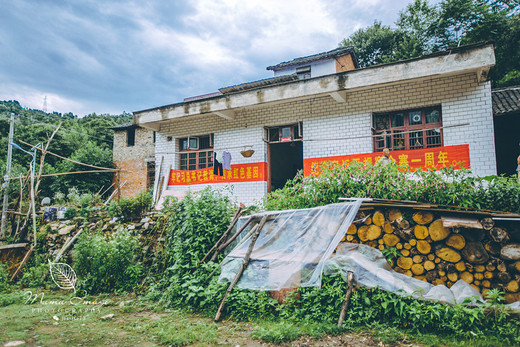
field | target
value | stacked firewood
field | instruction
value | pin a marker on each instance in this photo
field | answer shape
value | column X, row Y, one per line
column 428, row 250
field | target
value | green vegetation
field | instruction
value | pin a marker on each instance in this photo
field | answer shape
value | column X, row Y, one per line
column 108, row 264
column 131, row 208
column 87, row 140
column 111, row 263
column 444, row 187
column 423, row 29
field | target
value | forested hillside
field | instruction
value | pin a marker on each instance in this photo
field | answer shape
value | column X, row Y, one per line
column 87, row 139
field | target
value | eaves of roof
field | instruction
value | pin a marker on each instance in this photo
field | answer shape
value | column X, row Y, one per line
column 506, row 100
column 315, row 57
column 288, row 79
column 124, row 126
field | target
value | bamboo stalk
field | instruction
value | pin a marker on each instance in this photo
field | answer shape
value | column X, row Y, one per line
column 348, row 294
column 233, row 222
column 67, row 159
column 242, row 267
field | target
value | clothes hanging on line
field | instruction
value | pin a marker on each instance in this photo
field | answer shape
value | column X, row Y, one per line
column 217, row 166
column 226, row 160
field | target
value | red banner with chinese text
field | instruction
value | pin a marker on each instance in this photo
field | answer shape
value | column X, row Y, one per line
column 426, row 158
column 251, row 172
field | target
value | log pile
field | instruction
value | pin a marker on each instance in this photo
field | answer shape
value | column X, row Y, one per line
column 439, row 248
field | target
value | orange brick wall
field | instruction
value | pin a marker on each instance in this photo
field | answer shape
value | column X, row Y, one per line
column 135, row 175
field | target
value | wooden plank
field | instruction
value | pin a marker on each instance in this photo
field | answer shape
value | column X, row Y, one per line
column 461, row 222
column 14, row 245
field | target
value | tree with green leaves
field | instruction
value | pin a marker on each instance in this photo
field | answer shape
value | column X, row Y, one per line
column 423, row 29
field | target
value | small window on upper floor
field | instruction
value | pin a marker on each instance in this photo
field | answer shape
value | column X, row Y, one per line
column 130, row 137
column 304, row 72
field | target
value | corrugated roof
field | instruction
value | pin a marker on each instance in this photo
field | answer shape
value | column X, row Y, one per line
column 506, row 100
column 315, row 57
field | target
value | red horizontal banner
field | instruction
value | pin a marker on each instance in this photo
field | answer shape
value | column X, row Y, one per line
column 239, row 173
column 426, row 158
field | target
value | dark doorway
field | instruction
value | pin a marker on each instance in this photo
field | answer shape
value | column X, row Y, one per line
column 507, row 142
column 285, row 159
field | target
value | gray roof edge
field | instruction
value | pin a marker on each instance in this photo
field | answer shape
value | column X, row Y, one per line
column 312, row 58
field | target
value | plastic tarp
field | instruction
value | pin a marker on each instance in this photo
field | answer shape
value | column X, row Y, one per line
column 371, row 270
column 296, row 247
column 292, row 247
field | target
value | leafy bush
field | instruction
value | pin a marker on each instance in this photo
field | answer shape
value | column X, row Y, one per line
column 89, row 200
column 73, row 196
column 444, row 187
column 4, row 276
column 195, row 224
column 131, row 208
column 108, row 264
column 35, row 275
column 70, row 213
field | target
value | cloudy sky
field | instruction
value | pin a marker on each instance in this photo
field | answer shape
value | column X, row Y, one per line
column 87, row 56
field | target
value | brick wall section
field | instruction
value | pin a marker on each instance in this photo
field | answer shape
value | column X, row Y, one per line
column 133, row 160
column 463, row 100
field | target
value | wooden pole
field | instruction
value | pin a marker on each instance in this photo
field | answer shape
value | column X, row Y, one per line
column 348, row 294
column 242, row 267
column 118, row 185
column 224, row 245
column 7, row 175
column 27, row 255
column 72, row 161
column 156, row 183
column 233, row 222
column 33, row 203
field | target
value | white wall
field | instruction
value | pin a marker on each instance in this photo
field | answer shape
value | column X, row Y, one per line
column 462, row 100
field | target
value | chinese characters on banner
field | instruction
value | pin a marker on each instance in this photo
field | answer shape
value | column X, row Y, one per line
column 427, row 158
column 238, row 173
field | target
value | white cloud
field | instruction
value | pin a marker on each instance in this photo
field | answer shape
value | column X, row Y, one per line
column 126, row 55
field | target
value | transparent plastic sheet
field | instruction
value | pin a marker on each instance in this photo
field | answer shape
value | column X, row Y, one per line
column 280, row 258
column 292, row 248
column 371, row 270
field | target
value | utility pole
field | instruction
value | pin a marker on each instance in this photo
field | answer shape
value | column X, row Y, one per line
column 7, row 176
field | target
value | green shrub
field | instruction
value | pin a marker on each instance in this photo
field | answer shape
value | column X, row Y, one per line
column 73, row 196
column 4, row 276
column 131, row 208
column 70, row 213
column 444, row 187
column 89, row 200
column 108, row 264
column 195, row 224
column 35, row 274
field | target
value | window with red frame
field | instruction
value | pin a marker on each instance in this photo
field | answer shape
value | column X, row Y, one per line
column 196, row 152
column 409, row 129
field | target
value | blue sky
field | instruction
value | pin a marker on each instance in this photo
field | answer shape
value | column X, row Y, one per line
column 89, row 56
